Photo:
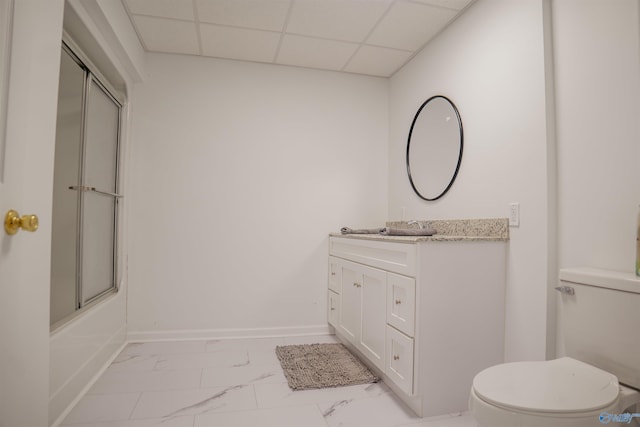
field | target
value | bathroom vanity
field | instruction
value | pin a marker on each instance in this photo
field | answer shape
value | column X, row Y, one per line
column 425, row 313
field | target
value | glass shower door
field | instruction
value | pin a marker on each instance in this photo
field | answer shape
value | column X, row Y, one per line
column 99, row 204
column 85, row 204
column 65, row 209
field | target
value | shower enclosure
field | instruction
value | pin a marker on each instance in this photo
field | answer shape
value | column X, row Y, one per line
column 84, row 244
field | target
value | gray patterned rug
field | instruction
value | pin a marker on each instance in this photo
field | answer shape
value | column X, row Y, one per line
column 312, row 366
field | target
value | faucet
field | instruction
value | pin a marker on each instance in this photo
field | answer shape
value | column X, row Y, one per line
column 413, row 221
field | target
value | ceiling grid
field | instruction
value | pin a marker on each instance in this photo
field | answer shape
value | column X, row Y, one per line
column 371, row 37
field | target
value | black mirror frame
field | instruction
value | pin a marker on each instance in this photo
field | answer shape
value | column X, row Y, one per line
column 455, row 173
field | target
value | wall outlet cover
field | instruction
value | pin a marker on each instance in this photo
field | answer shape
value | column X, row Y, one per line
column 514, row 214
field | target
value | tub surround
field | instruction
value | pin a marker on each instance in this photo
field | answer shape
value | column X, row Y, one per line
column 447, row 230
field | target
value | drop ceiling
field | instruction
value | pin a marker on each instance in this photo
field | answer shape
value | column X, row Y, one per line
column 372, row 37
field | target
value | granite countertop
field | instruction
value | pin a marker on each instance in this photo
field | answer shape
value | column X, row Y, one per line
column 491, row 229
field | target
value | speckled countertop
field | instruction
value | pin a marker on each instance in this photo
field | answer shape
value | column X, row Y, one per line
column 490, row 229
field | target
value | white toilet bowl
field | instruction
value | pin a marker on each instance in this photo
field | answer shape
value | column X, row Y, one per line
column 558, row 393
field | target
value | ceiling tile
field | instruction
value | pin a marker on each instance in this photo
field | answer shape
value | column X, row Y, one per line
column 348, row 20
column 177, row 9
column 167, row 35
column 373, row 37
column 409, row 26
column 257, row 14
column 314, row 53
column 239, row 43
column 377, row 61
column 451, row 4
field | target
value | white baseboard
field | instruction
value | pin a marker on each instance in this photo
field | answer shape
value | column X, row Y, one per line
column 212, row 334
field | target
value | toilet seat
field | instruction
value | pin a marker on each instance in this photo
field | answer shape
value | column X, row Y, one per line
column 560, row 386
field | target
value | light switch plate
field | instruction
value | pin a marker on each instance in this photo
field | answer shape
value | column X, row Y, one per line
column 514, row 214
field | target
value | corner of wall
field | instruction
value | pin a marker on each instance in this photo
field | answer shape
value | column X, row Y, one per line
column 552, row 179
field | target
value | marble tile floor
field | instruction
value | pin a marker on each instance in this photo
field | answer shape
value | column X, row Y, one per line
column 231, row 383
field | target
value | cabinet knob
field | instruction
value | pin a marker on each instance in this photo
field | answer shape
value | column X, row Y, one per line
column 333, row 273
column 398, row 301
column 565, row 290
column 396, row 357
column 357, row 285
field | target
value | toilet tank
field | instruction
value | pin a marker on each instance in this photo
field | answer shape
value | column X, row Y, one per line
column 600, row 323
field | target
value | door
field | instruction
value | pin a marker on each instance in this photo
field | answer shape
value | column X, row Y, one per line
column 85, row 185
column 350, row 302
column 26, row 187
column 99, row 206
column 399, row 366
column 66, row 203
column 333, row 309
column 363, row 309
column 335, row 274
column 401, row 306
column 374, row 314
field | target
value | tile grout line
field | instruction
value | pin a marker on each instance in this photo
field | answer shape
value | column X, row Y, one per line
column 242, row 381
column 322, row 414
column 135, row 406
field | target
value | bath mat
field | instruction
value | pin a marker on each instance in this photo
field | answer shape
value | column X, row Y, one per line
column 311, row 366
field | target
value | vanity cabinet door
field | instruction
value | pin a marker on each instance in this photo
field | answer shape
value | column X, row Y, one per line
column 374, row 305
column 335, row 274
column 401, row 303
column 399, row 367
column 363, row 308
column 350, row 303
column 333, row 309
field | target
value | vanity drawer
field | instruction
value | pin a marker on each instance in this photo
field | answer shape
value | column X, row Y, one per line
column 390, row 256
column 401, row 303
column 335, row 274
column 333, row 308
column 399, row 366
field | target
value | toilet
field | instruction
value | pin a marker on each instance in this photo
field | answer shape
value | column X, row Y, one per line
column 598, row 376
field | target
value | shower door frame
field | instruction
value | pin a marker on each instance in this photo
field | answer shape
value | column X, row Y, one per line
column 93, row 80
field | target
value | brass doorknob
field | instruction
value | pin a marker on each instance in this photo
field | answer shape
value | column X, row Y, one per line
column 13, row 222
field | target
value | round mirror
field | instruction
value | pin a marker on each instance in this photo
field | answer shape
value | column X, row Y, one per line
column 434, row 148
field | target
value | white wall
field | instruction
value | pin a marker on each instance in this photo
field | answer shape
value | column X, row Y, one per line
column 491, row 63
column 597, row 69
column 598, row 107
column 239, row 172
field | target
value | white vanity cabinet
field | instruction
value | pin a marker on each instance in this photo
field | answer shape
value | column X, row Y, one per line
column 426, row 315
